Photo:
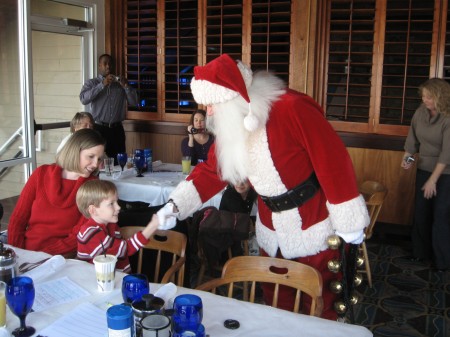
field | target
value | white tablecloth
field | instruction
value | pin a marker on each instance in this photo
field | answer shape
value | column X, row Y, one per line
column 255, row 319
column 155, row 187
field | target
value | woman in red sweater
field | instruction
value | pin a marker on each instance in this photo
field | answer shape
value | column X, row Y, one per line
column 46, row 217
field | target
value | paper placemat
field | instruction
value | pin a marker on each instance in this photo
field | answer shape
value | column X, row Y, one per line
column 85, row 320
column 52, row 293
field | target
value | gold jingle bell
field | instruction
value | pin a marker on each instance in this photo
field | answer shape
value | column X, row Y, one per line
column 359, row 261
column 340, row 307
column 357, row 280
column 336, row 287
column 334, row 266
column 354, row 298
column 334, row 241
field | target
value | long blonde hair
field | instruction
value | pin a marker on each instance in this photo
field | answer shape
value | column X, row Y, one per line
column 69, row 156
column 439, row 90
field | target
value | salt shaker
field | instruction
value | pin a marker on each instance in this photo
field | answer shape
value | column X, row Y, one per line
column 120, row 321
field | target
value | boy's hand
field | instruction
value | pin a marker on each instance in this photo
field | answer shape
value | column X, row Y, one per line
column 166, row 216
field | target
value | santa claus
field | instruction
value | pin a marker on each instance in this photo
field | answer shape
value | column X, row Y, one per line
column 280, row 141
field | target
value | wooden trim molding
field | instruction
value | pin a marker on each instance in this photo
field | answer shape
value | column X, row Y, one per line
column 350, row 139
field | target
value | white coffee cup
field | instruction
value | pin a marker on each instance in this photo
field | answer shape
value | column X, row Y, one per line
column 105, row 267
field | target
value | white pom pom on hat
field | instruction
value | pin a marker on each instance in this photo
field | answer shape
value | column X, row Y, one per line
column 222, row 80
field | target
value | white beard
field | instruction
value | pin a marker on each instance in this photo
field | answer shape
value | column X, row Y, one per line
column 227, row 124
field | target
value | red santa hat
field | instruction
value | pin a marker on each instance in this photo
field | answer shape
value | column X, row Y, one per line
column 222, row 80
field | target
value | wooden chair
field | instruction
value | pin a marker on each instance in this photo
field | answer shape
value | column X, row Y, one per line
column 255, row 269
column 374, row 194
column 204, row 262
column 171, row 242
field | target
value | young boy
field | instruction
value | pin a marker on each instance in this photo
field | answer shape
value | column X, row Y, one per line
column 97, row 201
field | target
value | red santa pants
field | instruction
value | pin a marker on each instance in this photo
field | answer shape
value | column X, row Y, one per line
column 286, row 295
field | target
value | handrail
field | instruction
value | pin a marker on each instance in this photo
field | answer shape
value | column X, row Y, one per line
column 11, row 140
column 19, row 132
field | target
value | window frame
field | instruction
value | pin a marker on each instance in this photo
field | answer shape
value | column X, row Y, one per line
column 373, row 125
column 308, row 61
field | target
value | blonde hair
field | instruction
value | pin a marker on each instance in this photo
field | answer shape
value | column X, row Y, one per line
column 69, row 156
column 93, row 192
column 78, row 118
column 439, row 90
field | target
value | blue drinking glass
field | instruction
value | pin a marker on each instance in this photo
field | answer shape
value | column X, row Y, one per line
column 20, row 297
column 139, row 161
column 134, row 286
column 122, row 159
column 187, row 313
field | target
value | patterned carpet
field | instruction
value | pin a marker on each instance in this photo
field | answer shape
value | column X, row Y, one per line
column 407, row 298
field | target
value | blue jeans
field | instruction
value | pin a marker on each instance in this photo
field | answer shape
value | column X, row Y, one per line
column 431, row 228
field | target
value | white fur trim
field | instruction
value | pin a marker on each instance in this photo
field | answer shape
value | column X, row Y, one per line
column 288, row 235
column 290, row 238
column 352, row 237
column 187, row 199
column 208, row 93
column 263, row 175
column 349, row 216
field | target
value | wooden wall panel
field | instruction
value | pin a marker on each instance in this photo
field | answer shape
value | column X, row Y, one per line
column 384, row 166
column 166, row 148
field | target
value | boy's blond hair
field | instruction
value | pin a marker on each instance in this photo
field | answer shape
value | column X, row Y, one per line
column 93, row 192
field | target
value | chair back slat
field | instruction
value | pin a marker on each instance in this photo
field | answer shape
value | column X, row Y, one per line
column 374, row 194
column 261, row 269
column 170, row 242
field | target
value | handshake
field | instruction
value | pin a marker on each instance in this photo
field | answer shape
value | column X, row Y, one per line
column 167, row 217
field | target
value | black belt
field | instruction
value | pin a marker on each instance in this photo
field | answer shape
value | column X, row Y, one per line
column 108, row 125
column 295, row 197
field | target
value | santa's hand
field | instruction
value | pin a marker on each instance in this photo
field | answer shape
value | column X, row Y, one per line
column 353, row 237
column 167, row 218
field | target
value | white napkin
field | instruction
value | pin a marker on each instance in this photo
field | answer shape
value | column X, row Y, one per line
column 167, row 292
column 47, row 268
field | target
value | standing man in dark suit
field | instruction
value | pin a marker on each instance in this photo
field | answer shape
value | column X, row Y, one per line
column 109, row 96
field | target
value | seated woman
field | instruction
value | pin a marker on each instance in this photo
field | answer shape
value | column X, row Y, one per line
column 81, row 120
column 197, row 144
column 233, row 214
column 239, row 198
column 46, row 217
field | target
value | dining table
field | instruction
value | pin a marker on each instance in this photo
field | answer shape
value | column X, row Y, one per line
column 71, row 317
column 154, row 187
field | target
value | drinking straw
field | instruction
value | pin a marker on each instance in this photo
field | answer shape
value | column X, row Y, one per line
column 103, row 247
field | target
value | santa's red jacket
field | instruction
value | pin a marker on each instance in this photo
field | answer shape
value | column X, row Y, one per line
column 296, row 141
